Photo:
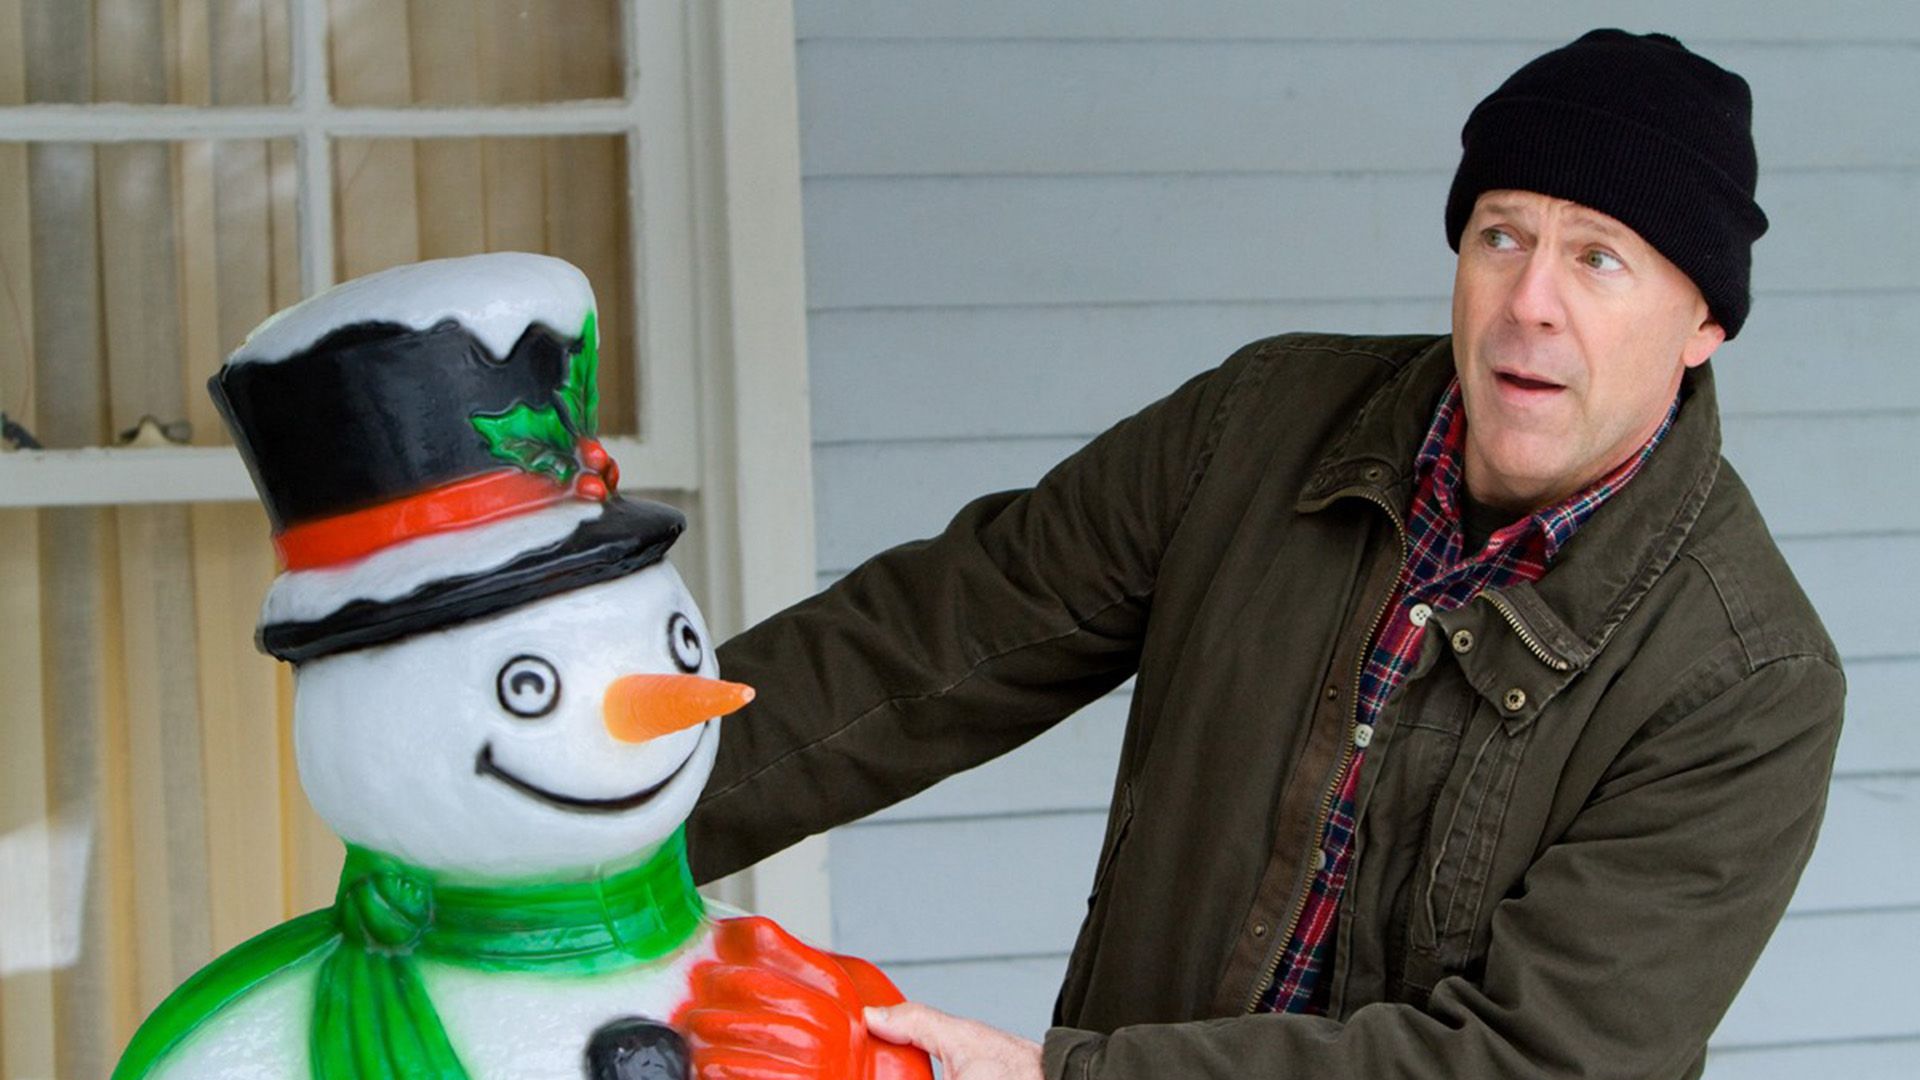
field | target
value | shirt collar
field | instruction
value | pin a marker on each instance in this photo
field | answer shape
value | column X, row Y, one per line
column 1440, row 462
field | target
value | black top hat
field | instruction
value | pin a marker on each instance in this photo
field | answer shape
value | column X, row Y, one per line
column 415, row 479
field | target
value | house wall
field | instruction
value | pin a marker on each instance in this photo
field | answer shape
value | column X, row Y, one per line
column 1025, row 221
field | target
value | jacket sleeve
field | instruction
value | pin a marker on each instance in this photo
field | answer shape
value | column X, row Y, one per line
column 940, row 654
column 1630, row 937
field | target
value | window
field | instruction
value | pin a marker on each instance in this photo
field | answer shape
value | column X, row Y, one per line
column 173, row 171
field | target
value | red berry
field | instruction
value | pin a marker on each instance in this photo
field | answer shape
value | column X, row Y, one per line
column 591, row 487
column 612, row 474
column 593, row 455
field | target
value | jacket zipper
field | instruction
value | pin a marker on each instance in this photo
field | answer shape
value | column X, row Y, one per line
column 1346, row 757
column 1527, row 638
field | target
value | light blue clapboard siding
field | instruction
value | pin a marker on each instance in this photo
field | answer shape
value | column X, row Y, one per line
column 942, row 372
column 1033, row 107
column 1867, row 1059
column 1025, row 221
column 1790, row 462
column 1229, row 20
column 915, row 241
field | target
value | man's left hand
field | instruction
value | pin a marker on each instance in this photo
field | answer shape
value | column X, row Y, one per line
column 966, row 1049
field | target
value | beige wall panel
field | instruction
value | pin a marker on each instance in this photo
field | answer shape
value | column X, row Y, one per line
column 369, row 50
column 188, row 39
column 452, row 197
column 28, row 907
column 586, row 188
column 167, row 825
column 313, row 854
column 377, row 220
column 196, row 229
column 515, row 193
column 239, row 724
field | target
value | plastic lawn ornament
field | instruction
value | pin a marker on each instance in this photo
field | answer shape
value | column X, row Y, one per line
column 506, row 703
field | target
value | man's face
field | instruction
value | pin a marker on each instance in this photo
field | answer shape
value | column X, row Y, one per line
column 1570, row 335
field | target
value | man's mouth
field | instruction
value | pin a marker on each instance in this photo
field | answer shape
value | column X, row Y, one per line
column 484, row 765
column 1526, row 382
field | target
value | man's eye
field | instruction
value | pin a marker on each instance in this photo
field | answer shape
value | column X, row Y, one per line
column 1498, row 239
column 1597, row 259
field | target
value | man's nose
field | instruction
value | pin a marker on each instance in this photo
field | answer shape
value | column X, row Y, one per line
column 1537, row 299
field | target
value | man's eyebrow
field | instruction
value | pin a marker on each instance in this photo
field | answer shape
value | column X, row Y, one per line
column 1599, row 222
column 1501, row 208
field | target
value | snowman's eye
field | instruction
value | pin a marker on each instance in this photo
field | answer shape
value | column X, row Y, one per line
column 528, row 686
column 688, row 652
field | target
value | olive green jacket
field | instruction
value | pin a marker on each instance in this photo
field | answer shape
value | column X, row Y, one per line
column 1580, row 818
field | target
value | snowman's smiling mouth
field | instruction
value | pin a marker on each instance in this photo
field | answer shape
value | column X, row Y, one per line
column 484, row 765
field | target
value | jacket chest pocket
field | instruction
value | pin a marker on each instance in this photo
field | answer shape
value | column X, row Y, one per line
column 1451, row 881
column 1436, row 814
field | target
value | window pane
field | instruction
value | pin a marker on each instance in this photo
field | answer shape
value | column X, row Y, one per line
column 474, row 52
column 132, row 269
column 149, row 815
column 402, row 200
column 182, row 52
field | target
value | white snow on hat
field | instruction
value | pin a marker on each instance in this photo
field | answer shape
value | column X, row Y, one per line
column 520, row 288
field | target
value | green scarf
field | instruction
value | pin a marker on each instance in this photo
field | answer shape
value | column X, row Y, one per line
column 371, row 1014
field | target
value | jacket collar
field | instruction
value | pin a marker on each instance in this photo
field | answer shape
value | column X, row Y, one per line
column 1606, row 567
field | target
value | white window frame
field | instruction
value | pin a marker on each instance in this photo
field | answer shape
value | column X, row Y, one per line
column 710, row 123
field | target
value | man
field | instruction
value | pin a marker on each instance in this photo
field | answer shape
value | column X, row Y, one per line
column 1480, row 728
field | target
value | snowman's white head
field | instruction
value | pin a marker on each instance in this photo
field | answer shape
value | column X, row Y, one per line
column 550, row 739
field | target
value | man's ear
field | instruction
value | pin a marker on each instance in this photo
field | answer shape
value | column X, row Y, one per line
column 1700, row 344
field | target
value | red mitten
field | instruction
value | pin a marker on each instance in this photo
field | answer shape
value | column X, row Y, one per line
column 770, row 1007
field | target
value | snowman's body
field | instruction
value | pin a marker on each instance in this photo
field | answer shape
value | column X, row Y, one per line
column 504, row 1024
column 388, row 740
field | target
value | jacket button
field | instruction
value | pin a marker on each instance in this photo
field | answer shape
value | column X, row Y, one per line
column 1259, row 929
column 1462, row 641
column 1372, row 474
column 1515, row 700
column 1333, row 693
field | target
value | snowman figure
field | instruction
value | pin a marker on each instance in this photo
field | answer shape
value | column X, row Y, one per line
column 506, row 703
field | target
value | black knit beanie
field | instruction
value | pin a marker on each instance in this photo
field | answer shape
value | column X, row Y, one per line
column 1638, row 128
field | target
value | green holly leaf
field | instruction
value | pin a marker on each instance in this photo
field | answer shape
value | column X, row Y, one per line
column 535, row 439
column 580, row 393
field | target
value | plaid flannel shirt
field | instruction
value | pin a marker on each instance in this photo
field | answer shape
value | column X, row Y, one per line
column 1437, row 576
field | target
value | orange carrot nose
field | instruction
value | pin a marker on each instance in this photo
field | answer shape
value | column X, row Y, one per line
column 642, row 707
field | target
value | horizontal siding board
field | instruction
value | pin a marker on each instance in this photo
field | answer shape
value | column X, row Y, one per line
column 1856, row 864
column 1831, row 977
column 1865, row 617
column 1547, row 24
column 888, row 242
column 1880, row 1059
column 925, row 484
column 1011, row 994
column 1789, row 463
column 945, row 890
column 1882, row 732
column 1040, row 107
column 957, row 888
column 980, row 372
